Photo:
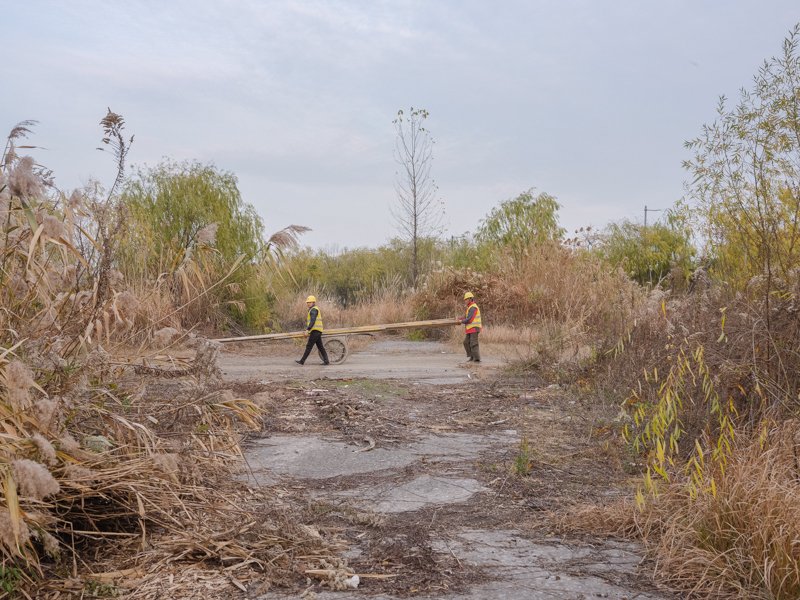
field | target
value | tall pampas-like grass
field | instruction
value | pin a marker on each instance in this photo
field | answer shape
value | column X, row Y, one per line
column 82, row 454
column 34, row 480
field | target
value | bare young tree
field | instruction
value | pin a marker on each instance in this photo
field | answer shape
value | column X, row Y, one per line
column 418, row 212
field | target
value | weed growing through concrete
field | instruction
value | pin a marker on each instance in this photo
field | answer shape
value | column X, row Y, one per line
column 522, row 463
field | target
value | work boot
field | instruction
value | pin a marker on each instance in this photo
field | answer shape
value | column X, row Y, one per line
column 299, row 362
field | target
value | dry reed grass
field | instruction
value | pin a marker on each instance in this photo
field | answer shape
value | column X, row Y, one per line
column 546, row 280
column 385, row 307
column 83, row 457
column 707, row 374
column 697, row 364
column 143, row 465
column 549, row 304
column 739, row 539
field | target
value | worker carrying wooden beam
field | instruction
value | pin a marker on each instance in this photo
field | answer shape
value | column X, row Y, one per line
column 335, row 340
column 472, row 323
column 313, row 332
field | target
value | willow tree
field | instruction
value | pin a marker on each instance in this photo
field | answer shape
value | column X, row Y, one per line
column 652, row 253
column 172, row 202
column 519, row 222
column 418, row 213
column 746, row 170
column 188, row 218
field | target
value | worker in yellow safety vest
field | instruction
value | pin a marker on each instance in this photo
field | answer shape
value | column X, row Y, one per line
column 313, row 332
column 473, row 327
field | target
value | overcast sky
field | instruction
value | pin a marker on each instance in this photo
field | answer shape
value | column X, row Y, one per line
column 589, row 101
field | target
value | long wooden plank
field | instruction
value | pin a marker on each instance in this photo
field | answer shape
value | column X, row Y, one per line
column 343, row 331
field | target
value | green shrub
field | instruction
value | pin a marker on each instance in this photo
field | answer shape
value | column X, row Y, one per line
column 660, row 251
column 170, row 203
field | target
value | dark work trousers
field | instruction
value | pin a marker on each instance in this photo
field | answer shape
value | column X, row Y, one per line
column 315, row 339
column 471, row 346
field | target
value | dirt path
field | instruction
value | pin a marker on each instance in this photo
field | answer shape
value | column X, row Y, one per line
column 422, row 362
column 419, row 470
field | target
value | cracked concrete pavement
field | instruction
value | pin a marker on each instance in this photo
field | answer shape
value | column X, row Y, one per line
column 394, row 480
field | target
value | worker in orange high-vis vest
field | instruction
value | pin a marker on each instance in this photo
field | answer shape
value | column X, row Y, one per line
column 473, row 324
column 314, row 332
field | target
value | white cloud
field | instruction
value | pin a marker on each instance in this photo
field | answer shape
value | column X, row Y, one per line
column 588, row 101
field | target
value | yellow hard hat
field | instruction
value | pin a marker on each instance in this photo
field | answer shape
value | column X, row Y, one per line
column 311, row 299
column 468, row 295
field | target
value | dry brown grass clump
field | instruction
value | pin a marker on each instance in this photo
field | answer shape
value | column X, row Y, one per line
column 89, row 460
column 384, row 308
column 561, row 301
column 739, row 538
column 545, row 281
column 157, row 470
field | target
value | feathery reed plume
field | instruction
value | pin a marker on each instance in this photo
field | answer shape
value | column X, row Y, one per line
column 115, row 278
column 127, row 304
column 68, row 444
column 75, row 200
column 33, row 479
column 22, row 129
column 113, row 124
column 168, row 464
column 47, row 454
column 19, row 131
column 288, row 237
column 7, row 536
column 18, row 374
column 51, row 545
column 207, row 235
column 77, row 472
column 18, row 379
column 23, row 181
column 53, row 228
column 163, row 337
column 44, row 410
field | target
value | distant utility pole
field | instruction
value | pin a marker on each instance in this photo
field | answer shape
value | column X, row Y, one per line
column 647, row 210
